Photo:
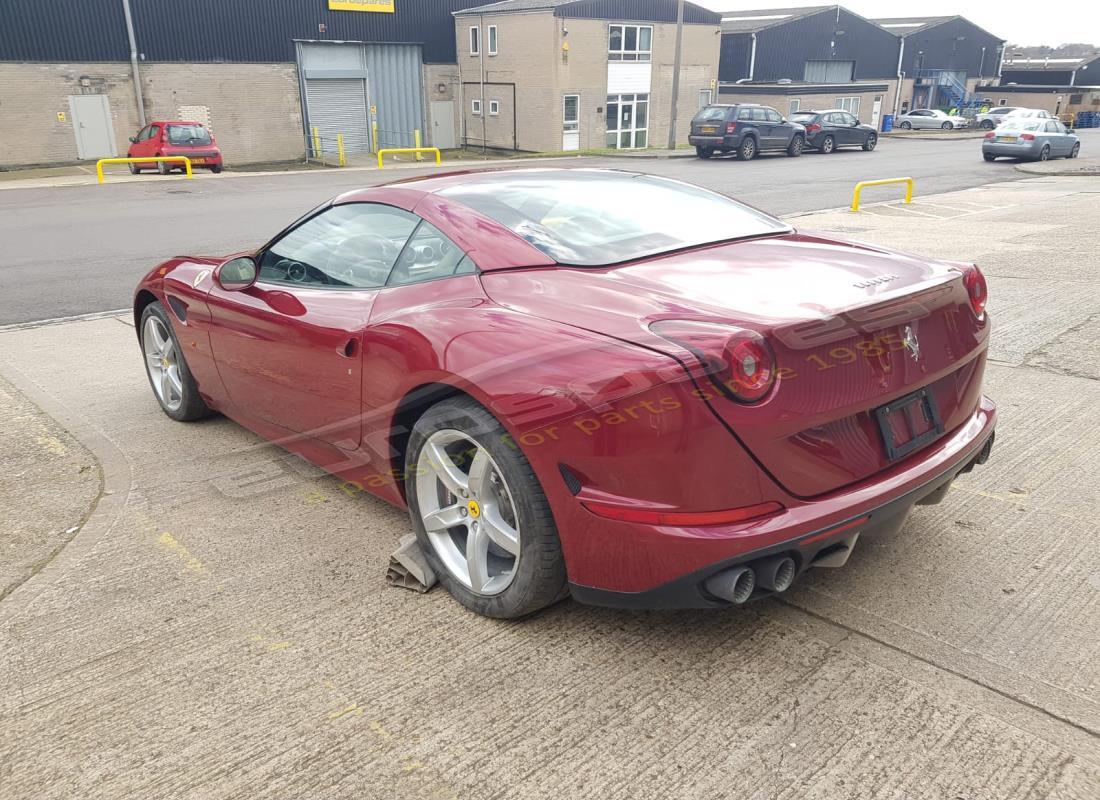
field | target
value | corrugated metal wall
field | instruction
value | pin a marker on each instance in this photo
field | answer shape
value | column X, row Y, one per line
column 782, row 51
column 213, row 30
column 643, row 10
column 1037, row 77
column 954, row 45
column 395, row 89
column 733, row 63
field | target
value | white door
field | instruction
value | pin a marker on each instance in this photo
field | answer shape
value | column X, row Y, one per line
column 92, row 126
column 876, row 110
column 571, row 122
column 443, row 124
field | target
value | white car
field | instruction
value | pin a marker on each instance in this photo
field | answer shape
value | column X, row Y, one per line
column 925, row 118
column 1026, row 113
column 991, row 119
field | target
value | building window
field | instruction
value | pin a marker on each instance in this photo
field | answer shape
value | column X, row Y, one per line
column 849, row 104
column 494, row 108
column 796, row 104
column 475, row 40
column 627, row 121
column 1003, row 101
column 475, row 106
column 629, row 42
column 492, row 35
column 704, row 98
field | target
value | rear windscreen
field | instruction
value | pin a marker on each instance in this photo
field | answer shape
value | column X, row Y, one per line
column 711, row 114
column 596, row 218
column 188, row 134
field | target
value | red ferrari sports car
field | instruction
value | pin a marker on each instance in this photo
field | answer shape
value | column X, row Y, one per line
column 597, row 383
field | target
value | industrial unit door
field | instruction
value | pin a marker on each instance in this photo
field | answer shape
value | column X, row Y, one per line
column 339, row 105
column 828, row 71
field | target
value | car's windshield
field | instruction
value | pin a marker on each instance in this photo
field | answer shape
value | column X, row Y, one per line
column 1021, row 124
column 711, row 114
column 592, row 219
column 188, row 134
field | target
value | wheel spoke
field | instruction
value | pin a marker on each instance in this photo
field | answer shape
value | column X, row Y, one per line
column 165, row 387
column 444, row 518
column 479, row 472
column 158, row 337
column 477, row 557
column 447, row 471
column 500, row 532
column 173, row 373
column 153, row 360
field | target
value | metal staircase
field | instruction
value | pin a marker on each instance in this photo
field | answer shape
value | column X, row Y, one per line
column 952, row 89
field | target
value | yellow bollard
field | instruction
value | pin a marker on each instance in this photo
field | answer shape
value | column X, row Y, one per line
column 416, row 144
column 316, row 143
column 885, row 182
column 374, row 135
column 340, row 149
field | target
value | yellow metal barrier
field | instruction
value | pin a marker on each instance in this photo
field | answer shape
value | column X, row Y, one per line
column 99, row 164
column 417, row 143
column 883, row 182
column 316, row 142
column 418, row 150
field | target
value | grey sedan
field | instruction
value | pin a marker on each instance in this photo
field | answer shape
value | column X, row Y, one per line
column 992, row 118
column 926, row 118
column 1031, row 139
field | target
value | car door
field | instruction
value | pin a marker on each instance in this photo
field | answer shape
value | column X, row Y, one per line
column 1059, row 139
column 779, row 131
column 853, row 134
column 289, row 348
column 922, row 120
column 150, row 144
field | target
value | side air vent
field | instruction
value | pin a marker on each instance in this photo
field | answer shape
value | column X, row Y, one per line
column 179, row 308
column 572, row 482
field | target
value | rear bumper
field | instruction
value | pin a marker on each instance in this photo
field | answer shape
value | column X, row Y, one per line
column 812, row 530
column 1012, row 150
column 712, row 141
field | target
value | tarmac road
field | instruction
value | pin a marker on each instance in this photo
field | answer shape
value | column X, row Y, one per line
column 78, row 250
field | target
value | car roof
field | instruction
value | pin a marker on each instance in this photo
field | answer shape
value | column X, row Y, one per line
column 176, row 122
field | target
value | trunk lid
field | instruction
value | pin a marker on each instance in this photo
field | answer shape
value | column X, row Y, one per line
column 836, row 314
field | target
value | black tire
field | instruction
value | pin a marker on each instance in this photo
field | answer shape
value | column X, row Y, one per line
column 828, row 145
column 1076, row 149
column 163, row 167
column 1044, row 154
column 906, row 125
column 987, row 124
column 134, row 169
column 217, row 168
column 540, row 578
column 989, row 157
column 946, row 126
column 704, row 152
column 794, row 149
column 747, row 149
column 870, row 142
column 192, row 406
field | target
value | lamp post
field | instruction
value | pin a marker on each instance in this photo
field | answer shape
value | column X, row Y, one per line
column 676, row 74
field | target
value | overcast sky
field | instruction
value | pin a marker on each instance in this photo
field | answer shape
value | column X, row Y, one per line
column 1050, row 22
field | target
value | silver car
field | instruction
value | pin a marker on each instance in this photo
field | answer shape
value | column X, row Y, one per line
column 1032, row 139
column 992, row 118
column 926, row 118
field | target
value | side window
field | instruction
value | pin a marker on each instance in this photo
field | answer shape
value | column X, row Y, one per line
column 154, row 132
column 744, row 113
column 428, row 255
column 759, row 115
column 1052, row 127
column 849, row 120
column 352, row 246
column 771, row 115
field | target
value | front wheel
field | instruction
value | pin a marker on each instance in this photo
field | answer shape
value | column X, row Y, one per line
column 794, row 149
column 747, row 150
column 1076, row 149
column 480, row 514
column 870, row 143
column 946, row 126
column 134, row 169
column 172, row 382
column 704, row 152
column 828, row 144
column 163, row 168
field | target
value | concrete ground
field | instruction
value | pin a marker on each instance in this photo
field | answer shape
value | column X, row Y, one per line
column 220, row 626
column 81, row 249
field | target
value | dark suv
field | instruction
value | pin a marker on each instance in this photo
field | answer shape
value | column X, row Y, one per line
column 744, row 130
column 834, row 127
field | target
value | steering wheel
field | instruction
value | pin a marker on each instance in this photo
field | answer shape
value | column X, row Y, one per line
column 371, row 254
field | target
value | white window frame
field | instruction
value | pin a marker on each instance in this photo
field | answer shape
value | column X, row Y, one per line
column 570, row 125
column 475, row 106
column 795, row 105
column 494, row 108
column 637, row 54
column 1003, row 101
column 849, row 104
column 491, row 39
column 475, row 40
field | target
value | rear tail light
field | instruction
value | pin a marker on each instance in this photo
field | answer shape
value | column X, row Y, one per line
column 813, row 127
column 989, row 135
column 739, row 362
column 976, row 289
column 1028, row 137
column 731, row 127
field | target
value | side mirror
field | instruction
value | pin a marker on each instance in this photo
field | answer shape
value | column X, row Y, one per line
column 133, row 139
column 236, row 274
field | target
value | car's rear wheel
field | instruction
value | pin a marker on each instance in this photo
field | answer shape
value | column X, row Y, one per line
column 173, row 385
column 1076, row 149
column 870, row 142
column 794, row 149
column 987, row 124
column 828, row 144
column 747, row 150
column 1044, row 154
column 946, row 126
column 906, row 125
column 480, row 514
column 989, row 157
column 216, row 168
column 704, row 152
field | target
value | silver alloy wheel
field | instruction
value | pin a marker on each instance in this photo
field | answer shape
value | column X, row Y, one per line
column 162, row 362
column 468, row 512
column 748, row 149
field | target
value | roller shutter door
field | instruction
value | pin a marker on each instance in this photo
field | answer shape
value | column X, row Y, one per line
column 339, row 105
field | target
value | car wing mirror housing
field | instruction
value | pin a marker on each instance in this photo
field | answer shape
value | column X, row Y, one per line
column 237, row 273
column 133, row 139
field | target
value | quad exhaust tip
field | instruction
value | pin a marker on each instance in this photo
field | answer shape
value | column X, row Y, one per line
column 735, row 585
column 775, row 574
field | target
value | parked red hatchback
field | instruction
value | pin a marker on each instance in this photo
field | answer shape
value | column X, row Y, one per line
column 611, row 385
column 174, row 138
